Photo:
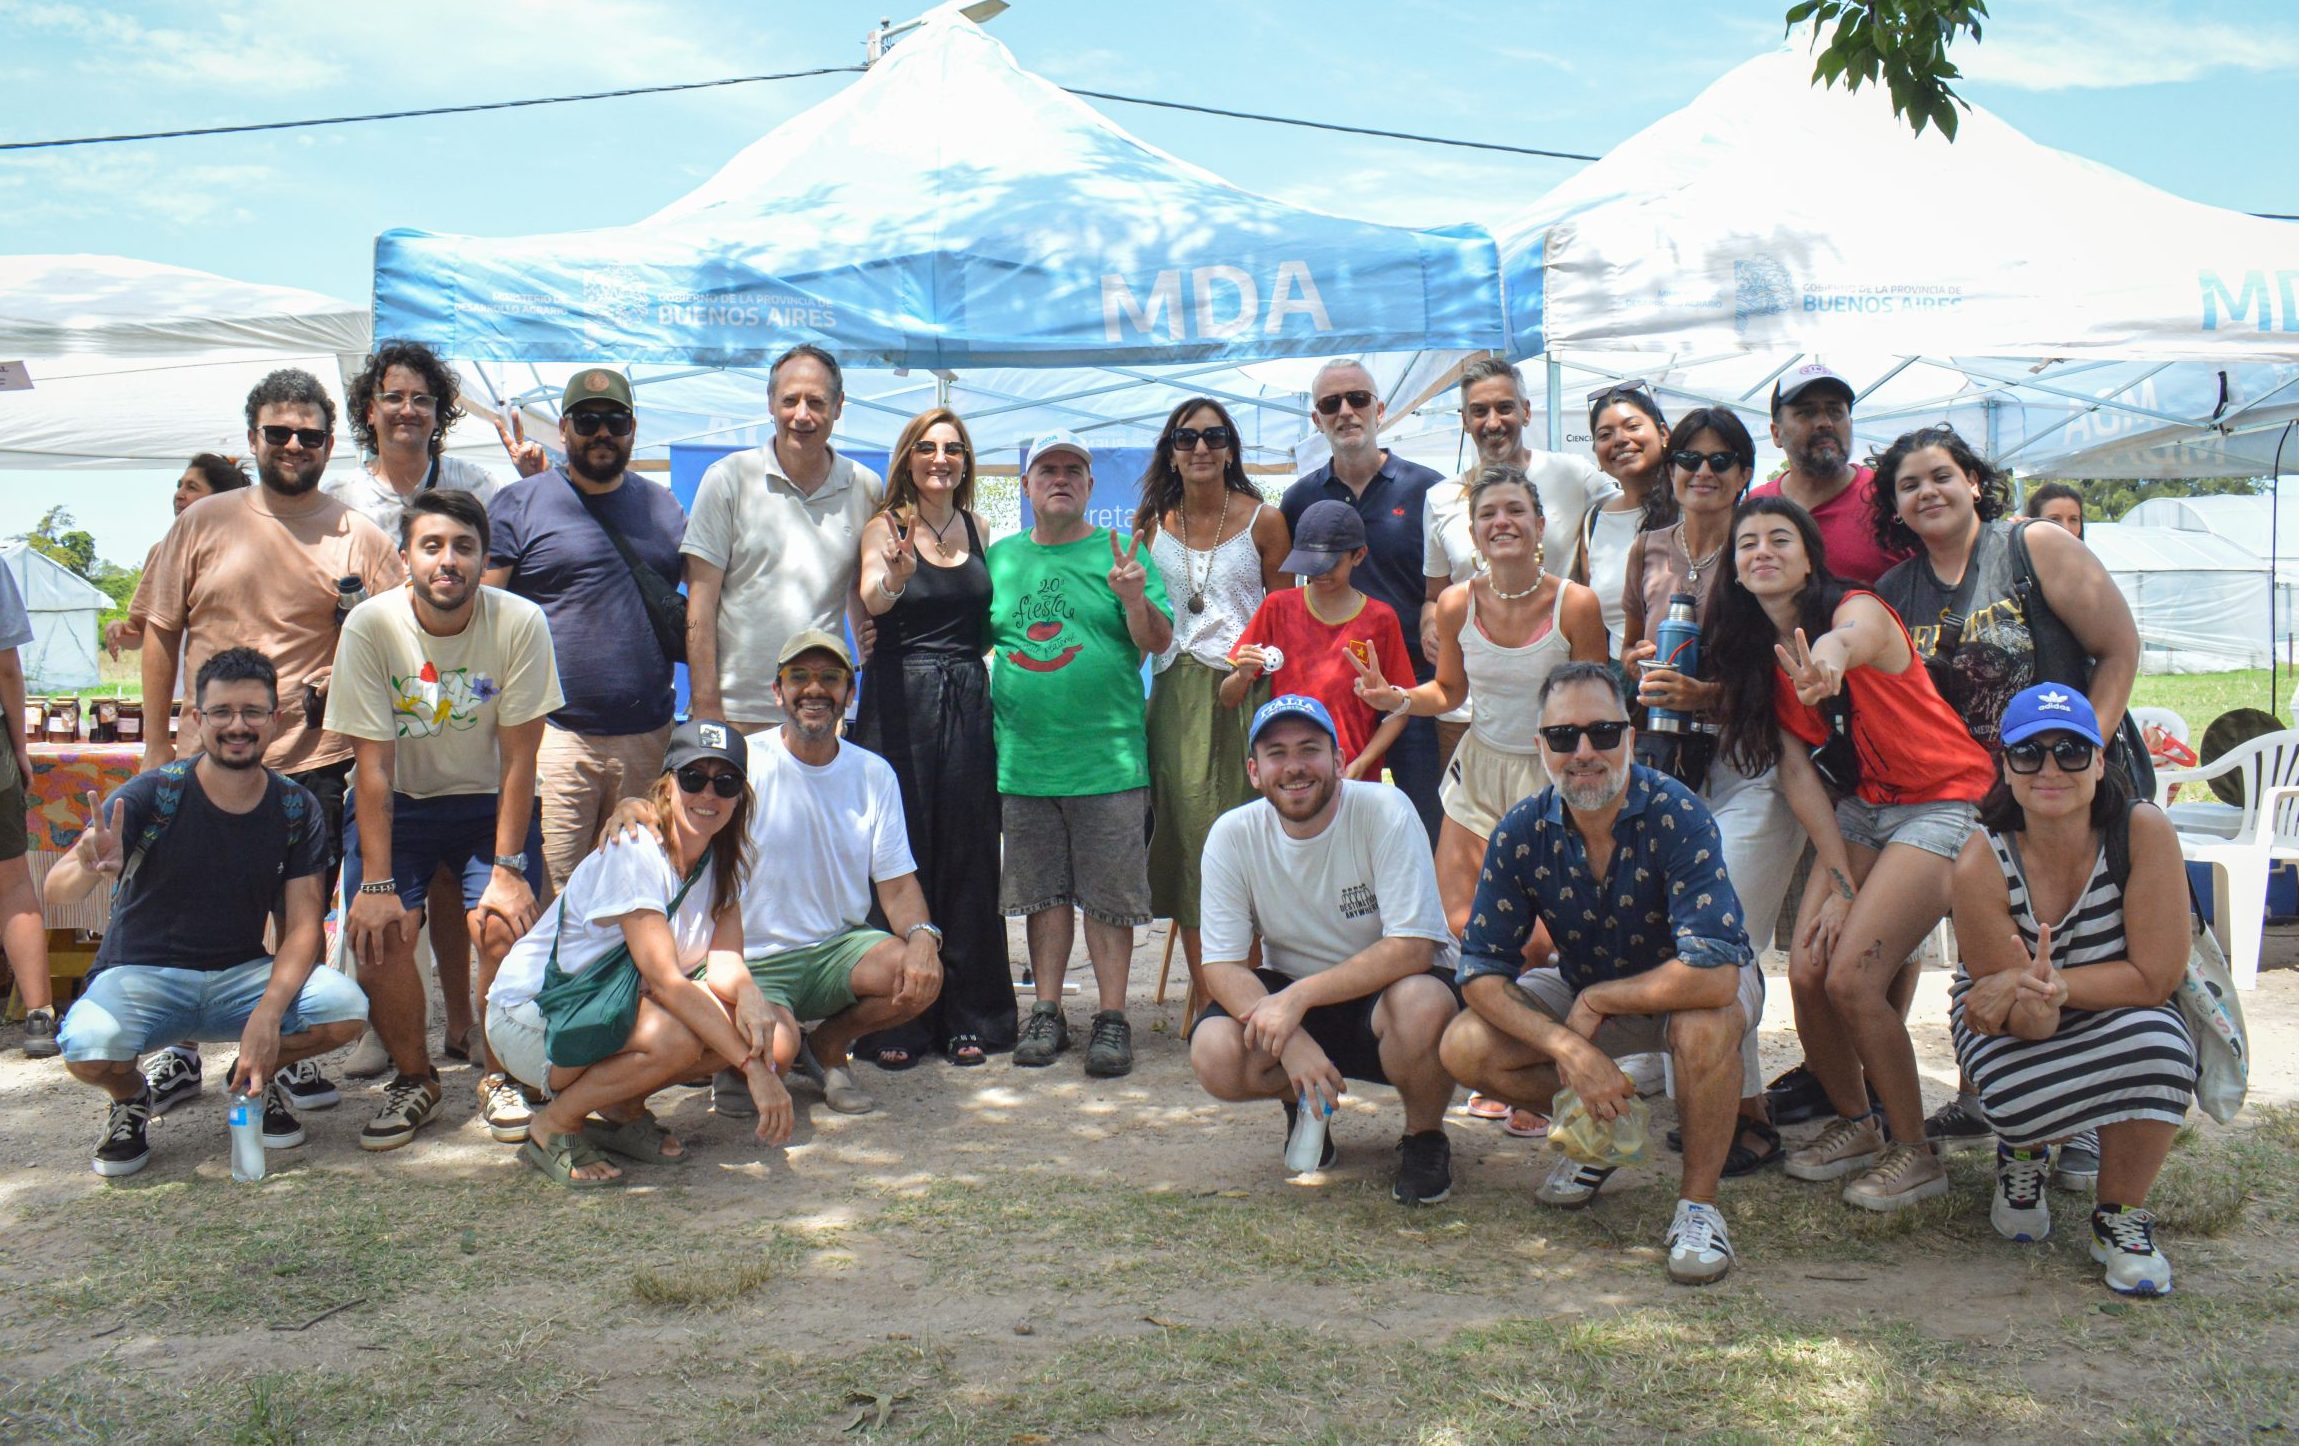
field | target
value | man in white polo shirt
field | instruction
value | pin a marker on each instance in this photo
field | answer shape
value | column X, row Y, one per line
column 1357, row 963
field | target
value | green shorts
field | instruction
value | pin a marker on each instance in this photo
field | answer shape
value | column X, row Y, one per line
column 817, row 981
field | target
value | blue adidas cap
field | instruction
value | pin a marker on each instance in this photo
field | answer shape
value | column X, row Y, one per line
column 2047, row 708
column 1290, row 705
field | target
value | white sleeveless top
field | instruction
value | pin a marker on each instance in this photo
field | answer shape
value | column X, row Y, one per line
column 1506, row 682
column 1232, row 592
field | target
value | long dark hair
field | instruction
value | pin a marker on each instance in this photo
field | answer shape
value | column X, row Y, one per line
column 1892, row 534
column 1660, row 498
column 1737, row 638
column 2000, row 810
column 1161, row 481
column 729, row 849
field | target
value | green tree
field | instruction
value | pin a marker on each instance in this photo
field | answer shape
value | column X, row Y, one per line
column 2107, row 499
column 55, row 535
column 1903, row 43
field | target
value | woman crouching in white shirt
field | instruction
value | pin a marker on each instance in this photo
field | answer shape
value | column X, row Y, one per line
column 630, row 934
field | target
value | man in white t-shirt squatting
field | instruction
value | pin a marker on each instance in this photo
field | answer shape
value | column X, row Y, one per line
column 1357, row 963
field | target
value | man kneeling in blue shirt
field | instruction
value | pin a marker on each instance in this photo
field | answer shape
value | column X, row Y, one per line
column 1624, row 868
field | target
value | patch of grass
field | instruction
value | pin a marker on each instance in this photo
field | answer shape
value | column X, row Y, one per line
column 691, row 1286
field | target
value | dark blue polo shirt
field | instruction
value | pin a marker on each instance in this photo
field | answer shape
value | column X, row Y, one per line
column 1391, row 507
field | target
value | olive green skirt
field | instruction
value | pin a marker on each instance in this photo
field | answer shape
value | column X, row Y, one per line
column 1197, row 774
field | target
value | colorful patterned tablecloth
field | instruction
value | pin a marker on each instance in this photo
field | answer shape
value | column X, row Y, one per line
column 56, row 809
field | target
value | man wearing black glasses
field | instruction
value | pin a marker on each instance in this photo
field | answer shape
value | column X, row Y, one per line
column 571, row 541
column 1389, row 493
column 1624, row 869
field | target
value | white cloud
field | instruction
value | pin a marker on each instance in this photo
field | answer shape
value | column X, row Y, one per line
column 2056, row 45
column 109, row 184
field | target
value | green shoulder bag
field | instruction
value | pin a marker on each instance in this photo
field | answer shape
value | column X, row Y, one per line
column 588, row 1016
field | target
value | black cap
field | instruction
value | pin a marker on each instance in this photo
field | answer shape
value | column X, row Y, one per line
column 701, row 738
column 1327, row 530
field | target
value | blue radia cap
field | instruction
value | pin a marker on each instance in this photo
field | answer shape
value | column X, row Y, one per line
column 2047, row 708
column 1291, row 705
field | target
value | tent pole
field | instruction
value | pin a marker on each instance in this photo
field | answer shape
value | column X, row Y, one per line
column 1556, row 417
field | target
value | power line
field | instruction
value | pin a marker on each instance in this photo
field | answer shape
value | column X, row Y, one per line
column 1283, row 120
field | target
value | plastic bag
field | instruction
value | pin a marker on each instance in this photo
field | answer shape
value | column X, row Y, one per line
column 1608, row 1144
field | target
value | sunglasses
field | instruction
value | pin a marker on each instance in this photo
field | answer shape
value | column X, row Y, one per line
column 1718, row 462
column 1185, row 439
column 694, row 778
column 1331, row 405
column 2073, row 755
column 312, row 438
column 1566, row 737
column 618, row 423
column 923, row 448
column 1638, row 387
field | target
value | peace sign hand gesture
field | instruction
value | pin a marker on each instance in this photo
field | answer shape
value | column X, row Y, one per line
column 1813, row 678
column 527, row 456
column 899, row 556
column 1376, row 692
column 99, row 846
column 1129, row 579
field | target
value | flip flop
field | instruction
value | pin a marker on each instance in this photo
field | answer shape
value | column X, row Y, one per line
column 1485, row 1107
column 966, row 1051
column 1526, row 1124
column 561, row 1156
column 640, row 1139
column 894, row 1061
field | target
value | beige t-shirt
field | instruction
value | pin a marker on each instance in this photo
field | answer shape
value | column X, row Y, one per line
column 790, row 560
column 440, row 700
column 232, row 573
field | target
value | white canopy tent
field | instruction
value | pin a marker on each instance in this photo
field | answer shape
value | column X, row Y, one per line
column 2200, row 600
column 64, row 608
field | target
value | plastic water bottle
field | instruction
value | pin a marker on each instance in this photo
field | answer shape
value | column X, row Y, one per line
column 1677, row 646
column 247, row 1138
column 1306, row 1148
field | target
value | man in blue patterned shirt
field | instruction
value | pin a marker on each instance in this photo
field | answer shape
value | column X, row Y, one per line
column 1623, row 867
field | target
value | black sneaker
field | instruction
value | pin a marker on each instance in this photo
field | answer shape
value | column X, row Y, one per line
column 1796, row 1097
column 124, row 1149
column 1951, row 1127
column 1110, row 1049
column 281, row 1130
column 1044, row 1034
column 171, row 1076
column 307, row 1086
column 1424, row 1169
column 1326, row 1156
column 40, row 1034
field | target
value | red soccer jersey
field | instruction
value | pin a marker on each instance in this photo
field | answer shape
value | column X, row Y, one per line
column 1315, row 663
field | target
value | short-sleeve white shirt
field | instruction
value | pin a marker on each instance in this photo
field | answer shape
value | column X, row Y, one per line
column 820, row 837
column 629, row 876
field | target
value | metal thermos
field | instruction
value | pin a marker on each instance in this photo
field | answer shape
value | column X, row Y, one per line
column 350, row 592
column 1678, row 644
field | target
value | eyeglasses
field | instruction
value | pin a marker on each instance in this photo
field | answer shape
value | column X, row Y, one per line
column 2073, row 755
column 1566, row 737
column 694, row 778
column 420, row 401
column 252, row 717
column 617, row 422
column 1185, row 439
column 1718, row 462
column 312, row 438
column 796, row 678
column 1358, row 401
column 1637, row 387
column 924, row 448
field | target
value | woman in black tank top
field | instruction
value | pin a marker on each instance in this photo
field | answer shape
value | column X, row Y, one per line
column 925, row 709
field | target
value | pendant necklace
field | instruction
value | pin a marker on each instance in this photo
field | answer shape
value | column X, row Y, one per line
column 1197, row 585
column 1693, row 565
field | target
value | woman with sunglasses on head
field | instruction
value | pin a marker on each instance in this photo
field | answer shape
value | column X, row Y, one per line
column 925, row 709
column 1219, row 549
column 1784, row 640
column 2071, row 911
column 1629, row 436
column 632, row 936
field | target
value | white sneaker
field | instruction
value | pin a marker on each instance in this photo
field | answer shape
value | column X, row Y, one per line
column 2123, row 1240
column 1571, row 1185
column 2020, row 1211
column 503, row 1105
column 1648, row 1072
column 1698, row 1249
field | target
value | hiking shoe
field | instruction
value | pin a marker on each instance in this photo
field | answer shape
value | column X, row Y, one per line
column 2123, row 1240
column 2076, row 1164
column 1110, row 1048
column 1796, row 1096
column 124, row 1149
column 1901, row 1176
column 1424, row 1168
column 1699, row 1251
column 1845, row 1146
column 1326, row 1156
column 171, row 1076
column 1044, row 1034
column 307, row 1086
column 369, row 1059
column 1648, row 1072
column 1571, row 1185
column 730, row 1096
column 40, row 1034
column 409, row 1102
column 504, row 1108
column 281, row 1130
column 2019, row 1211
column 1953, row 1127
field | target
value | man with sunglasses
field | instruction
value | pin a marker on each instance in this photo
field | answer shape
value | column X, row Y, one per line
column 1625, row 868
column 555, row 544
column 1812, row 423
column 1389, row 493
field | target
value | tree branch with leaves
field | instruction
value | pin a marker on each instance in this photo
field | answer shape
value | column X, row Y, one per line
column 1902, row 43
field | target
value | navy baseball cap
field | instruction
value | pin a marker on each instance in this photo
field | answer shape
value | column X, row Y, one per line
column 701, row 738
column 1290, row 705
column 1328, row 530
column 2049, row 708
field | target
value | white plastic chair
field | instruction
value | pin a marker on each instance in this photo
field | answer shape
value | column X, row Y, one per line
column 2266, row 833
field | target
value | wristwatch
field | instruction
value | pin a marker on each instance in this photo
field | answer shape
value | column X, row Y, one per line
column 516, row 863
column 929, row 928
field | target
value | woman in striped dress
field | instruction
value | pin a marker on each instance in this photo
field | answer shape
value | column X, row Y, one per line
column 2071, row 912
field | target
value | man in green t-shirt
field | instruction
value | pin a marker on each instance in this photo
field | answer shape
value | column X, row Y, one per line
column 1072, row 612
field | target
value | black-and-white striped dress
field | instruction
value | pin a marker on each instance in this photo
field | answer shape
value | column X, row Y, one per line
column 2102, row 1067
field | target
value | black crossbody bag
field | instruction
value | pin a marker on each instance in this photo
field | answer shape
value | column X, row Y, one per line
column 665, row 605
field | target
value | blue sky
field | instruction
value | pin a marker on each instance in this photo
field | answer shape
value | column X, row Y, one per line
column 2175, row 94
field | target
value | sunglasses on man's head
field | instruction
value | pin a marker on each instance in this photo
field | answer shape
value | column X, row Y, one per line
column 1331, row 405
column 312, row 438
column 1566, row 737
column 618, row 423
column 1718, row 462
column 694, row 778
column 2073, row 755
column 1185, row 439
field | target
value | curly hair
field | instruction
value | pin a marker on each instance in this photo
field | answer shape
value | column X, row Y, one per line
column 1161, row 485
column 438, row 379
column 1893, row 535
column 901, row 487
column 291, row 387
column 1737, row 638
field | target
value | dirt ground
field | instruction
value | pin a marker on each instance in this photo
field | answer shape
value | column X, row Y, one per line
column 1030, row 1256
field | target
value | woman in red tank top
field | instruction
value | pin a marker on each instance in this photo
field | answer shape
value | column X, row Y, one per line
column 1785, row 638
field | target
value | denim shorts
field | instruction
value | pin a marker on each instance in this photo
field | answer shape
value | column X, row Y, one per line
column 457, row 830
column 130, row 1008
column 1936, row 828
column 1091, row 850
column 517, row 1035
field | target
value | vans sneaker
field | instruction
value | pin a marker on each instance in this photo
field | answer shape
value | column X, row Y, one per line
column 307, row 1086
column 124, row 1149
column 1952, row 1126
column 281, row 1130
column 171, row 1076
